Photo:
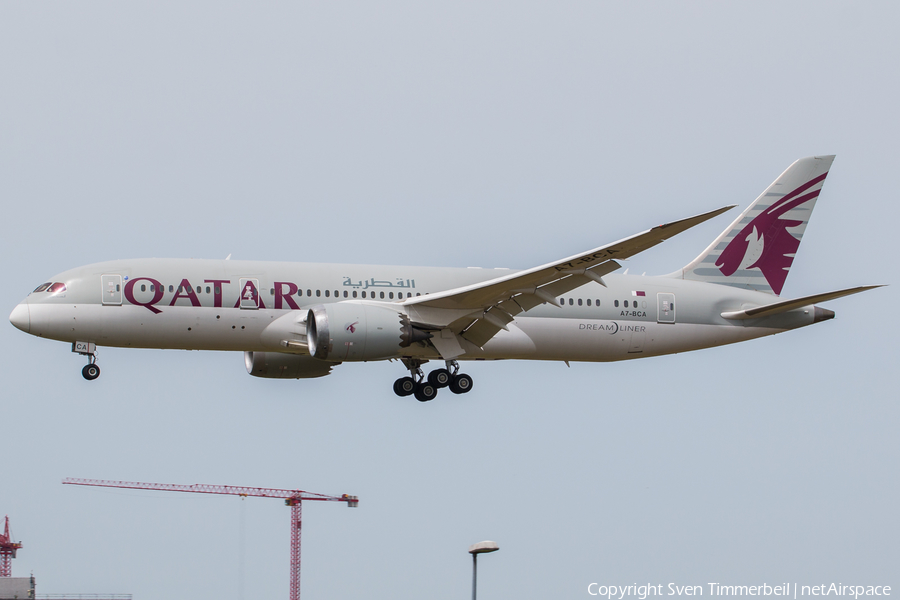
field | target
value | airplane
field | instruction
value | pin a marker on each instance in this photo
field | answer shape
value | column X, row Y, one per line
column 300, row 320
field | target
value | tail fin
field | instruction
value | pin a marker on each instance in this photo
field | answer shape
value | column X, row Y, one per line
column 757, row 250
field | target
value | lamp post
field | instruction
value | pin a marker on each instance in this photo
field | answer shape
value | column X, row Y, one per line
column 475, row 550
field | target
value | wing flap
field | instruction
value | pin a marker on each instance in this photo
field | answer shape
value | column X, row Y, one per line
column 499, row 315
column 480, row 332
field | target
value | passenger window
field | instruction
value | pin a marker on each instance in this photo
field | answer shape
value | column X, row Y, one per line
column 626, row 304
column 588, row 301
column 171, row 288
column 354, row 293
column 382, row 295
column 318, row 293
column 345, row 293
column 616, row 304
column 571, row 302
column 579, row 302
column 418, row 294
column 391, row 295
column 363, row 294
column 152, row 287
column 143, row 288
column 562, row 300
column 309, row 292
column 598, row 301
column 218, row 290
column 409, row 294
column 207, row 289
column 199, row 289
column 327, row 293
column 271, row 291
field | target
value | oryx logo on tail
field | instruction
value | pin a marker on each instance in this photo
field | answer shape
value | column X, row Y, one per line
column 773, row 247
column 757, row 250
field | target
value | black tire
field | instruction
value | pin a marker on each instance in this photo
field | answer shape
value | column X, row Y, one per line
column 461, row 384
column 404, row 386
column 90, row 372
column 439, row 378
column 425, row 392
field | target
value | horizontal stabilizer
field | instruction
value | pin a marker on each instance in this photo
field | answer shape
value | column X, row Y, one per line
column 786, row 305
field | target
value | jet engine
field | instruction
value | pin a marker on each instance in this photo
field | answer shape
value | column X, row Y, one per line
column 278, row 365
column 353, row 331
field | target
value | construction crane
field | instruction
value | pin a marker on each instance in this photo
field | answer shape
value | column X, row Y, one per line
column 8, row 550
column 292, row 498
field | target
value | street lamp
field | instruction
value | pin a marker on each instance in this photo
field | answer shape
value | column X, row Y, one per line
column 475, row 550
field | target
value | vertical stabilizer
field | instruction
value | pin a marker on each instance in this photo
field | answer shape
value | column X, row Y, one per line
column 757, row 250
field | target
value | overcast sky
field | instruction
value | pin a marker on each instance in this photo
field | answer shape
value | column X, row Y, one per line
column 465, row 134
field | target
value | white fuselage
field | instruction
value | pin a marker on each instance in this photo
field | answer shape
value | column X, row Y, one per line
column 146, row 304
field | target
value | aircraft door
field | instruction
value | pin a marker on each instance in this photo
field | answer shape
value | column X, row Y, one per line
column 666, row 305
column 111, row 289
column 249, row 293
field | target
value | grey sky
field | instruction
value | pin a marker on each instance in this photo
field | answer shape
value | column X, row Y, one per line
column 472, row 133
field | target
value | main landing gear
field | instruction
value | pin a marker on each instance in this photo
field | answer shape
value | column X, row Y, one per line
column 425, row 389
column 90, row 371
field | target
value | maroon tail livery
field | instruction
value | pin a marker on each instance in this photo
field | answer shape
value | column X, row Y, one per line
column 758, row 249
column 771, row 230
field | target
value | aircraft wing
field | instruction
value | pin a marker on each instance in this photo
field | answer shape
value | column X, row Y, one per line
column 477, row 312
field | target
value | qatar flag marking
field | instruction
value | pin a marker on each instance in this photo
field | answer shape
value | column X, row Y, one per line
column 634, row 293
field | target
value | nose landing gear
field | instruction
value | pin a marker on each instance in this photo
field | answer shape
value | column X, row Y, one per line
column 426, row 389
column 90, row 371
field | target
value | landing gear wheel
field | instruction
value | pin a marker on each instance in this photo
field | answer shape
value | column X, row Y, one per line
column 90, row 372
column 404, row 386
column 425, row 392
column 439, row 378
column 460, row 384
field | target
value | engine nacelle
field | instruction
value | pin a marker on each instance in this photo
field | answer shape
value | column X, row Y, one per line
column 353, row 331
column 278, row 365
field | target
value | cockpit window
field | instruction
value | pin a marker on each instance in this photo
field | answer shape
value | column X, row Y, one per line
column 53, row 288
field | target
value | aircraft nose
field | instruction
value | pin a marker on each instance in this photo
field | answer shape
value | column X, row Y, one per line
column 21, row 317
